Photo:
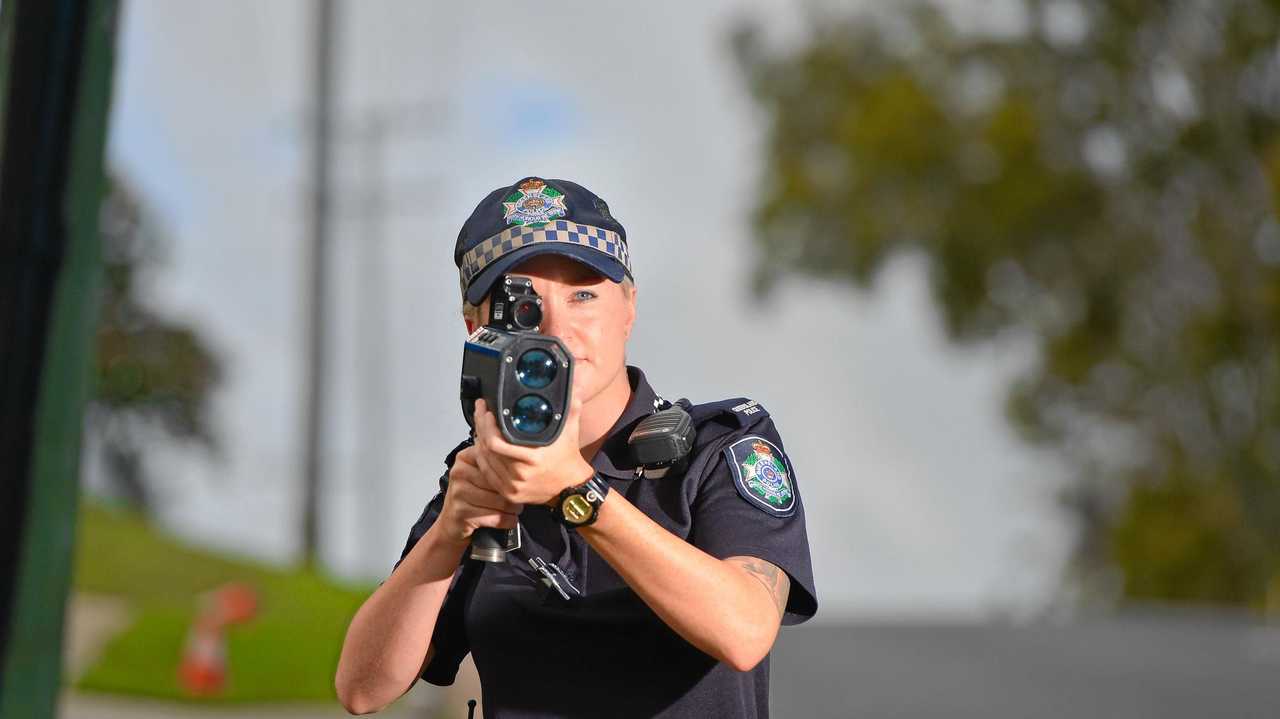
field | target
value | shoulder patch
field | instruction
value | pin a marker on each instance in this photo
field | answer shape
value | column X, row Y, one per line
column 762, row 475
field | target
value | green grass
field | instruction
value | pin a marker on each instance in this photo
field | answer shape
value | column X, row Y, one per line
column 288, row 652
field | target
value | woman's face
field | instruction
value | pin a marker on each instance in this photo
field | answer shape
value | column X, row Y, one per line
column 590, row 313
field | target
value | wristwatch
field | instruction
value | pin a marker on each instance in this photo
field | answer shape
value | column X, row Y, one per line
column 579, row 506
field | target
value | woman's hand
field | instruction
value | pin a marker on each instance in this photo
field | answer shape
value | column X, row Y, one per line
column 529, row 475
column 470, row 503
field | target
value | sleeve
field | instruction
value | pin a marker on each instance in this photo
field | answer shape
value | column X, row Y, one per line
column 449, row 637
column 428, row 517
column 748, row 504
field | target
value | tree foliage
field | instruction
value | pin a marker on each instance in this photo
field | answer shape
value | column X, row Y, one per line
column 1104, row 180
column 153, row 377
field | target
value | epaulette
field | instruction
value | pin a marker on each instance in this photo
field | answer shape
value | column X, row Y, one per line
column 716, row 421
column 738, row 412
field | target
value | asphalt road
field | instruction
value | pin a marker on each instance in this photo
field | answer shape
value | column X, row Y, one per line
column 1166, row 665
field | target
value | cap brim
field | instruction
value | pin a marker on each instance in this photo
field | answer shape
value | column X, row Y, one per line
column 595, row 259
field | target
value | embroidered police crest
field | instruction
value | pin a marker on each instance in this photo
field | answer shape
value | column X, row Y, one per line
column 762, row 475
column 533, row 203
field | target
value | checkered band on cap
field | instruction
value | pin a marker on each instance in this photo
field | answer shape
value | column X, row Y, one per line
column 513, row 238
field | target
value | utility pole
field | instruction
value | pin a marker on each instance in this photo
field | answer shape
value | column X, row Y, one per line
column 373, row 129
column 370, row 203
column 372, row 206
column 317, row 290
column 372, row 471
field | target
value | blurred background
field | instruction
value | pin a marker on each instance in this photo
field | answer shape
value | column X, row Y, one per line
column 1006, row 273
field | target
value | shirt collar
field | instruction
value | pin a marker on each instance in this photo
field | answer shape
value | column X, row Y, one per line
column 614, row 458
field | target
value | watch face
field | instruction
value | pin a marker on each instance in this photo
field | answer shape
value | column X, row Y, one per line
column 576, row 508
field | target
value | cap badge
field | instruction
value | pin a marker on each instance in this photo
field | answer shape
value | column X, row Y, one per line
column 533, row 203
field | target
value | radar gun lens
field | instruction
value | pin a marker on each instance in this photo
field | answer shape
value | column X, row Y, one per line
column 536, row 369
column 531, row 414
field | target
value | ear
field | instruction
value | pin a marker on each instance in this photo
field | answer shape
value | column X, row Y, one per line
column 631, row 310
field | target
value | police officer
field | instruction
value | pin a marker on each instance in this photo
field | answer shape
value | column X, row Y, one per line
column 666, row 598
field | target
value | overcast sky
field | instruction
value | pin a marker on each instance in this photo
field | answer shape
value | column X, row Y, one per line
column 918, row 496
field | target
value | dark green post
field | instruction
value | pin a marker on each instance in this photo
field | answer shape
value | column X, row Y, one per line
column 56, row 63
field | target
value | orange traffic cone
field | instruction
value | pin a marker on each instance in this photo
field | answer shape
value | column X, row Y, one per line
column 203, row 670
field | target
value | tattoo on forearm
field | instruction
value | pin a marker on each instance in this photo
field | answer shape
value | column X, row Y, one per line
column 773, row 579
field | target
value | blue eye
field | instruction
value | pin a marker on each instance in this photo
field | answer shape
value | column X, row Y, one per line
column 584, row 295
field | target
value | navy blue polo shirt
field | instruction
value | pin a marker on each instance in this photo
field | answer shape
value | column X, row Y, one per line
column 604, row 652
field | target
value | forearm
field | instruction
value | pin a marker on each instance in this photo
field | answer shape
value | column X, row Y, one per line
column 714, row 605
column 388, row 639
